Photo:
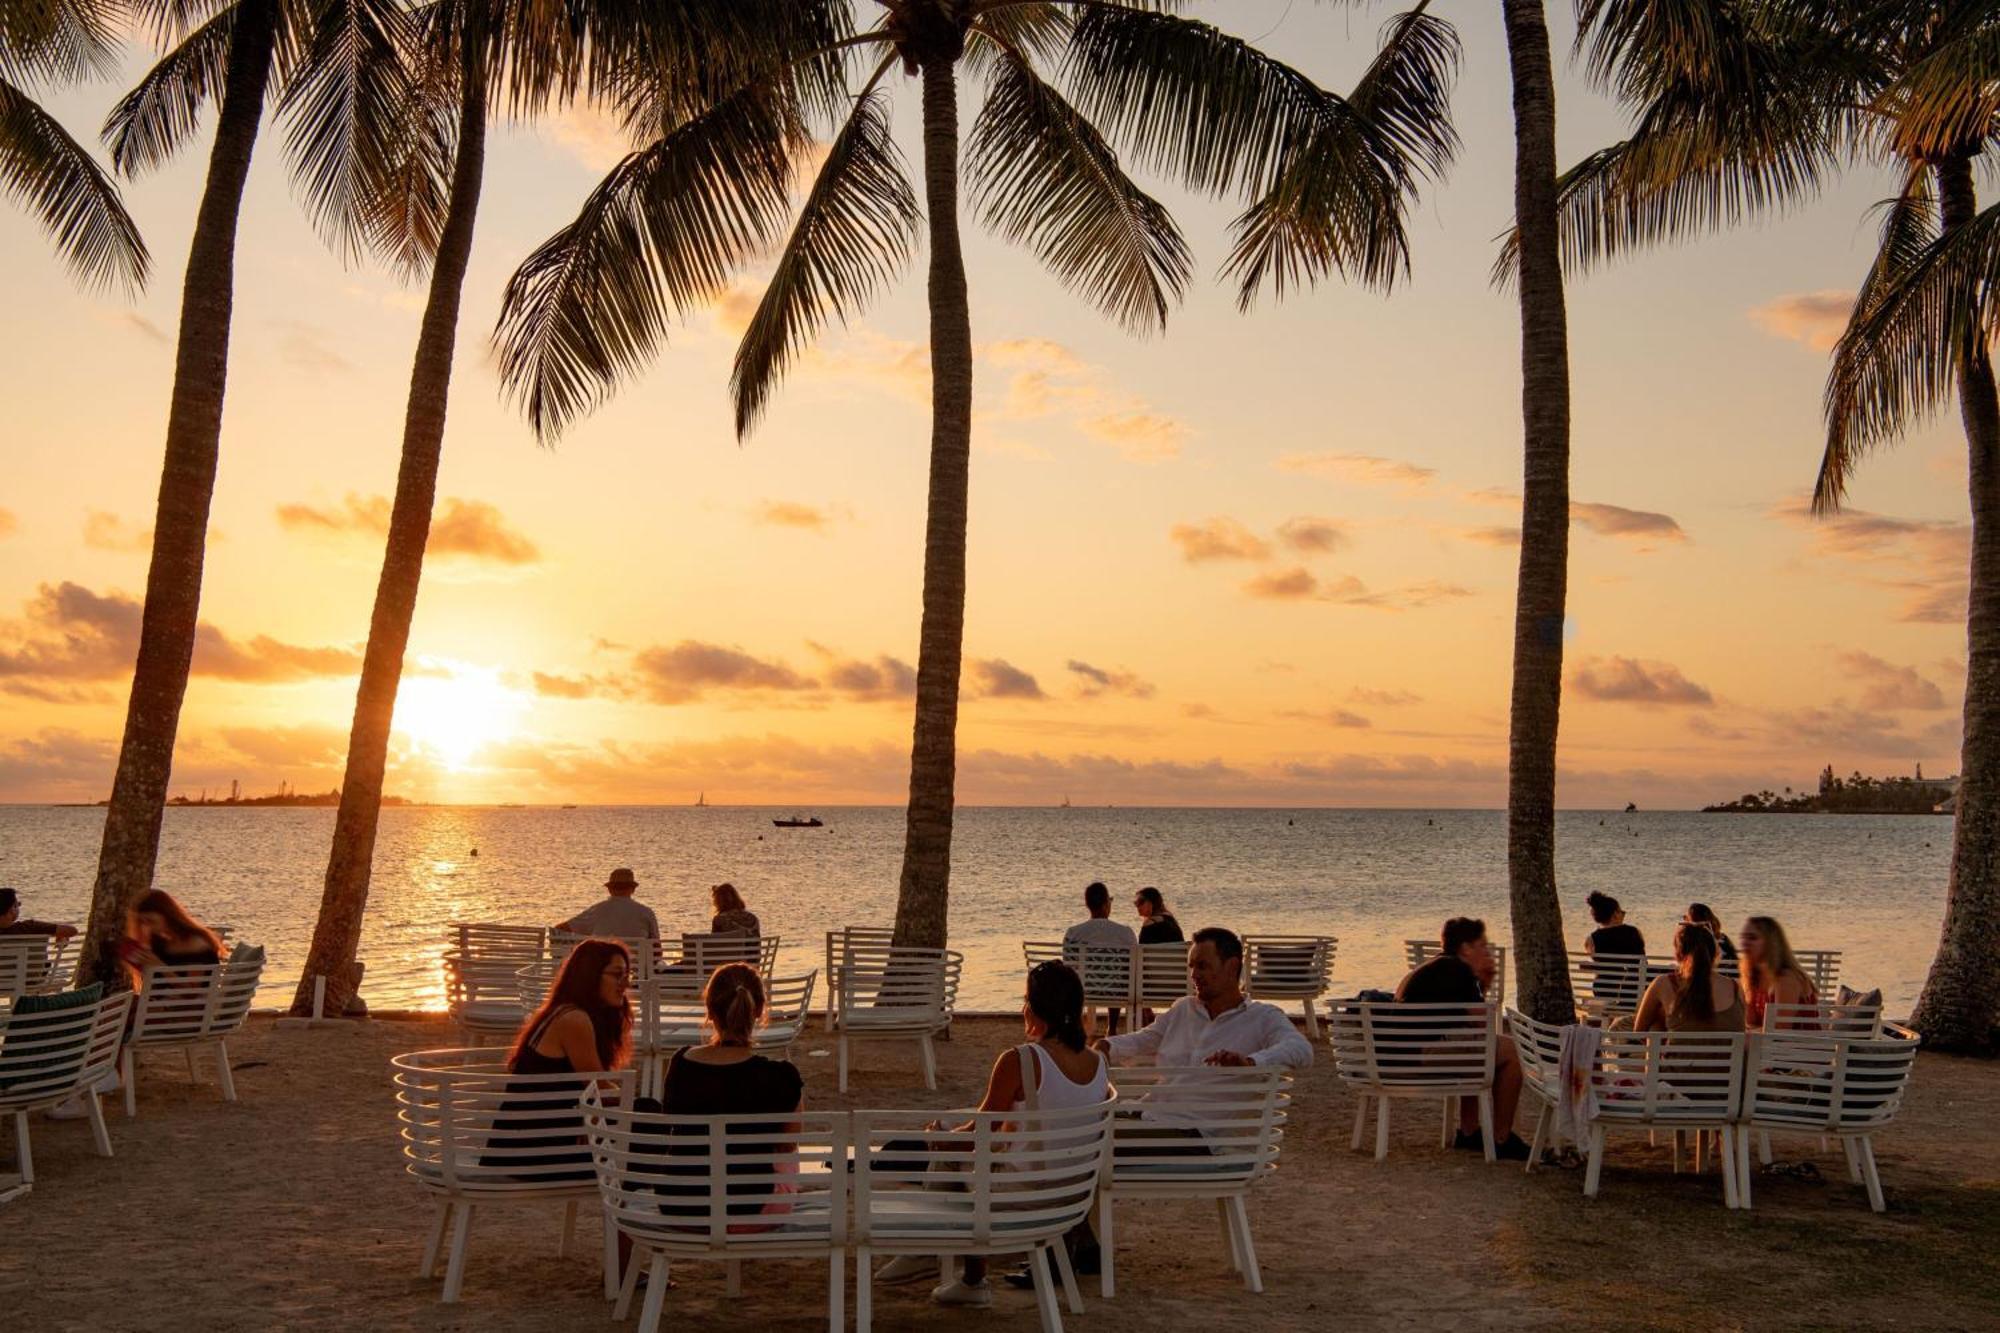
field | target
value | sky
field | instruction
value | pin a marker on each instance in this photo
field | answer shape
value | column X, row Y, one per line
column 1265, row 558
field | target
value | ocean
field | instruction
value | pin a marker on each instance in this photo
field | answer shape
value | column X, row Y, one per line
column 1871, row 885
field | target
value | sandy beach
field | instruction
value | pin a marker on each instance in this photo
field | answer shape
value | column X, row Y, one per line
column 290, row 1210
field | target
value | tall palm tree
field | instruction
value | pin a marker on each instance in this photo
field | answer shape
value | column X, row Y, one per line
column 235, row 53
column 1754, row 107
column 1326, row 179
column 463, row 57
column 47, row 43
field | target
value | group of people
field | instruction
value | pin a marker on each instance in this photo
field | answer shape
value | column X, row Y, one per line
column 584, row 1027
column 620, row 915
column 1156, row 923
column 1696, row 996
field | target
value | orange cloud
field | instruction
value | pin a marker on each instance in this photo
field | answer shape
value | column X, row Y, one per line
column 1816, row 319
column 1312, row 536
column 471, row 529
column 1095, row 681
column 1361, row 469
column 682, row 673
column 997, row 678
column 9, row 524
column 1284, row 585
column 1218, row 539
column 792, row 514
column 1887, row 686
column 1627, row 680
column 1617, row 521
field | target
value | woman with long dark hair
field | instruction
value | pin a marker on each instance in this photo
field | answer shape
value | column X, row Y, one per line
column 585, row 1024
column 1156, row 923
column 1612, row 935
column 161, row 933
column 1694, row 997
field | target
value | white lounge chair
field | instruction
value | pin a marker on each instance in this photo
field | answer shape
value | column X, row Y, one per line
column 1385, row 1051
column 1823, row 1083
column 1240, row 1115
column 667, row 1018
column 189, row 1008
column 1667, row 1081
column 1277, row 968
column 896, row 994
column 1539, row 1046
column 1418, row 952
column 1105, row 969
column 1159, row 976
column 475, row 1135
column 53, row 1048
column 722, row 1190
column 1021, row 1180
column 486, row 997
column 34, row 965
column 496, row 940
column 836, row 944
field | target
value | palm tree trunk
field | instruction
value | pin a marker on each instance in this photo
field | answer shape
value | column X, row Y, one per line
column 923, row 893
column 1540, row 964
column 337, row 935
column 187, row 484
column 1960, row 1006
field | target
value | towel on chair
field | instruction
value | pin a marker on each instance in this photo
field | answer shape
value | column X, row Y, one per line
column 1576, row 1100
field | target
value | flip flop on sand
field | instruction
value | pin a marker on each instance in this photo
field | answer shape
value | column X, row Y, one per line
column 1805, row 1171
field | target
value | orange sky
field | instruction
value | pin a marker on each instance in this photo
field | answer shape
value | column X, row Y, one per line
column 1267, row 558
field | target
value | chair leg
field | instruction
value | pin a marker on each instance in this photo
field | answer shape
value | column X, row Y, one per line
column 1045, row 1290
column 1595, row 1170
column 1107, row 1250
column 1229, row 1232
column 454, row 1269
column 1742, row 1148
column 435, row 1241
column 130, row 1078
column 630, row 1283
column 1450, row 1122
column 1381, row 1128
column 1726, row 1154
column 1312, row 1022
column 733, row 1277
column 864, row 1292
column 1865, row 1148
column 609, row 1259
column 1700, row 1151
column 22, row 1150
column 1541, row 1124
column 1486, row 1122
column 836, row 1292
column 568, row 1230
column 1360, row 1121
column 930, row 1062
column 842, row 1044
column 1677, row 1152
column 1067, row 1272
column 100, row 1133
column 656, row 1296
column 222, row 1072
column 1764, row 1146
column 1253, row 1274
column 189, row 1052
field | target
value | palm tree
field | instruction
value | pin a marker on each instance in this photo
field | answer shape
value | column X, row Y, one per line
column 1753, row 109
column 55, row 42
column 463, row 55
column 230, row 53
column 1326, row 177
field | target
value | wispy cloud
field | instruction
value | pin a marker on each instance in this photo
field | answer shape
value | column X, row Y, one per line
column 997, row 678
column 1360, row 469
column 1628, row 680
column 1312, row 536
column 1816, row 319
column 470, row 529
column 1886, row 686
column 1218, row 538
column 1924, row 560
column 817, row 519
column 1095, row 681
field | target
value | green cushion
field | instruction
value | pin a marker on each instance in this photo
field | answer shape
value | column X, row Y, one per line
column 69, row 999
column 37, row 1067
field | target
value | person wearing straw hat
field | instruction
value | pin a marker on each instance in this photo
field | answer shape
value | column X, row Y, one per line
column 617, row 914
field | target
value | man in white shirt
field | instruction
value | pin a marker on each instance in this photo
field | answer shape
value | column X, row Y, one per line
column 1100, row 949
column 1218, row 1024
column 1099, row 928
column 617, row 915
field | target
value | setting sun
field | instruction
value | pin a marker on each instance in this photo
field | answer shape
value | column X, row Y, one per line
column 453, row 717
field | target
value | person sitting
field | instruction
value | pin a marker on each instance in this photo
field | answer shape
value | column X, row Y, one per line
column 1218, row 1024
column 731, row 916
column 1771, row 975
column 617, row 915
column 1156, row 923
column 1704, row 915
column 160, row 933
column 1099, row 930
column 12, row 923
column 1460, row 973
column 1612, row 935
column 1055, row 1069
column 1694, row 997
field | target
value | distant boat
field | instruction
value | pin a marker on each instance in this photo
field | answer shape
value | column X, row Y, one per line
column 569, row 807
column 814, row 822
column 1631, row 809
column 512, row 805
column 1064, row 805
column 701, row 801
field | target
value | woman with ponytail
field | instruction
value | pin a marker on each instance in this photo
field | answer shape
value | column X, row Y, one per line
column 1693, row 997
column 726, row 1076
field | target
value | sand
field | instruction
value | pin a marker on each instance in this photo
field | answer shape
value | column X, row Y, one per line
column 290, row 1210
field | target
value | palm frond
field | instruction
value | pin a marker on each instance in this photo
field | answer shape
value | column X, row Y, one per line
column 854, row 233
column 151, row 122
column 58, row 41
column 1045, row 178
column 660, row 235
column 1947, row 100
column 413, row 191
column 76, row 200
column 344, row 108
column 1037, row 31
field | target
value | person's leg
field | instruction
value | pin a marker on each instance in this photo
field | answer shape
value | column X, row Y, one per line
column 1506, row 1091
column 1468, row 1111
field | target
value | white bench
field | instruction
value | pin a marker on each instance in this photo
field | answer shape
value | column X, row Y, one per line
column 1844, row 1087
column 897, row 994
column 1674, row 1081
column 1387, row 1050
column 188, row 1008
column 51, row 1052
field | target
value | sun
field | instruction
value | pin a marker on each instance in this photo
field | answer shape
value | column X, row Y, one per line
column 454, row 717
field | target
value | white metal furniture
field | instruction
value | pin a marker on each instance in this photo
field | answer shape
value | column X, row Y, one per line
column 1827, row 1084
column 1418, row 952
column 1385, row 1050
column 1013, row 1183
column 1840, row 1020
column 49, row 1055
column 836, row 943
column 475, row 1135
column 34, row 965
column 1159, row 975
column 898, row 994
column 722, row 1190
column 1661, row 1081
column 486, row 997
column 1105, row 969
column 1823, row 966
column 701, row 954
column 666, row 1018
column 492, row 939
column 1277, row 968
column 1611, row 985
column 189, row 1008
column 1201, row 1133
column 1539, row 1046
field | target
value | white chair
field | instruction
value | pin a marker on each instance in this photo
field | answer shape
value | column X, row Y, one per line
column 897, row 994
column 188, row 1008
column 668, row 1018
column 1608, row 986
column 1387, row 1051
column 703, row 953
column 836, row 944
column 488, row 997
column 1839, row 1020
column 1667, row 1081
column 1823, row 966
column 1159, row 976
column 1418, row 952
column 1539, row 1046
column 1105, row 969
column 1019, row 1181
column 1826, row 1084
column 1240, row 1116
column 1289, row 967
column 494, row 940
column 475, row 1135
column 722, row 1190
column 34, row 965
column 49, row 1054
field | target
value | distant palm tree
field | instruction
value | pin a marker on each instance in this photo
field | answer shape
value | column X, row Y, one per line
column 230, row 53
column 463, row 56
column 47, row 43
column 1327, row 179
column 1753, row 108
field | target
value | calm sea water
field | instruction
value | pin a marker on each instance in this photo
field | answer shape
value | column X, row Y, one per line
column 1871, row 885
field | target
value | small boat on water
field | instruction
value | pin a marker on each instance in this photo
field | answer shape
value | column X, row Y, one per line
column 701, row 801
column 795, row 822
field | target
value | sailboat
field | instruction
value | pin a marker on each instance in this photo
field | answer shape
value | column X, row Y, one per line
column 701, row 801
column 1064, row 805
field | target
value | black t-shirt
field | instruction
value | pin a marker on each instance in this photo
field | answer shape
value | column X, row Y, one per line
column 747, row 1087
column 1617, row 939
column 1162, row 929
column 1443, row 980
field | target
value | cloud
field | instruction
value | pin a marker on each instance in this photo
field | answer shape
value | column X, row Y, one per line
column 9, row 524
column 1299, row 584
column 684, row 672
column 884, row 678
column 1312, row 536
column 1045, row 378
column 303, row 746
column 1284, row 585
column 1361, row 694
column 1617, row 521
column 1886, row 686
column 309, row 348
column 1816, row 319
column 466, row 529
column 1493, row 536
column 132, row 321
column 1218, row 539
column 1924, row 560
column 792, row 514
column 1095, row 681
column 1360, row 469
column 1332, row 717
column 997, row 678
column 1140, row 437
column 108, row 532
column 591, row 134
column 1628, row 680
column 551, row 685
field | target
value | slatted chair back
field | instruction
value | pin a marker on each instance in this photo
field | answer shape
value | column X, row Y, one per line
column 494, row 940
column 1608, row 984
column 1538, row 1046
column 1839, row 1020
column 887, row 988
column 47, row 1055
column 1418, row 952
column 1106, row 969
column 667, row 1017
column 1825, row 1083
column 1413, row 1049
column 1018, row 1182
column 703, row 953
column 1823, row 966
column 1160, row 974
column 1289, row 967
column 34, row 965
column 490, row 997
column 183, row 1005
column 1668, row 1080
column 645, row 952
column 836, row 943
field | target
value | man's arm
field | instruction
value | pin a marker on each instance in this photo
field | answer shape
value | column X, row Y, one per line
column 1284, row 1045
column 1145, row 1041
column 61, row 932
